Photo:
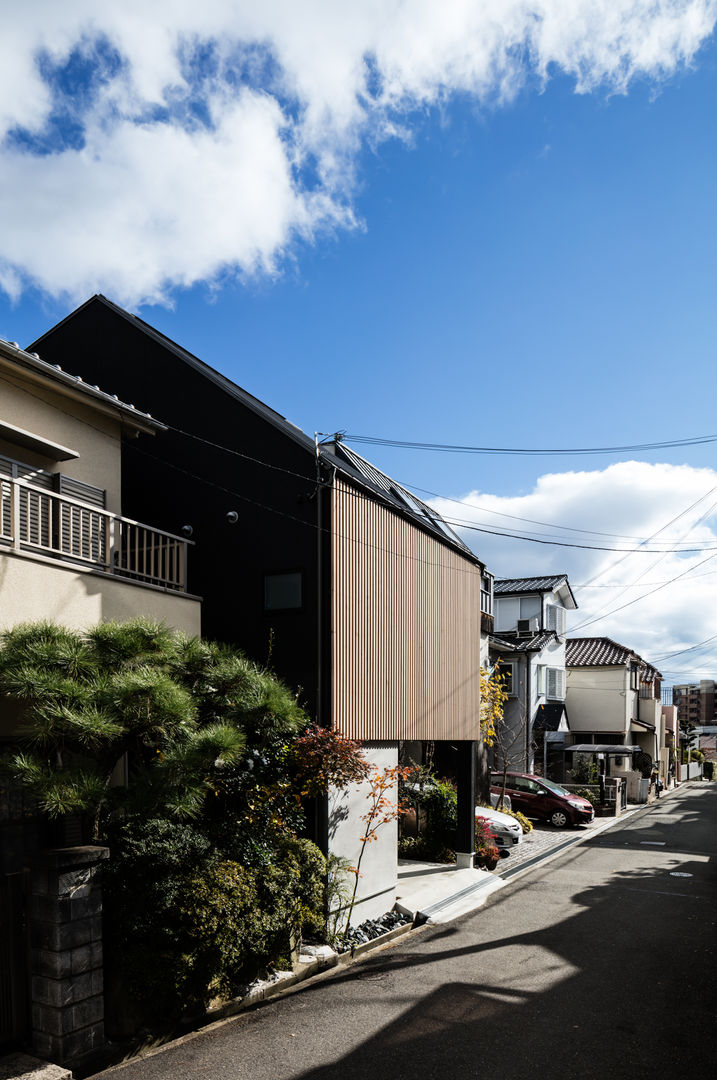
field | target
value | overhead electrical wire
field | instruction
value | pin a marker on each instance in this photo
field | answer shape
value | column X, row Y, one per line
column 532, row 521
column 457, row 448
column 690, row 648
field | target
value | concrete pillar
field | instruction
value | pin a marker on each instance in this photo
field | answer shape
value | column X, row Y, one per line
column 466, row 806
column 65, row 915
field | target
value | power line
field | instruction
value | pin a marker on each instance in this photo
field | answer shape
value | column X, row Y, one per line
column 691, row 648
column 453, row 448
column 529, row 521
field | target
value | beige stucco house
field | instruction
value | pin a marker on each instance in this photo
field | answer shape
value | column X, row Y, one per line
column 613, row 698
column 66, row 552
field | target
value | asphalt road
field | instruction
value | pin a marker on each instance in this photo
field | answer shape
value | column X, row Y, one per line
column 601, row 963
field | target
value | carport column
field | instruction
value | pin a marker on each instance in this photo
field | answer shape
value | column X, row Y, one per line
column 66, row 939
column 466, row 809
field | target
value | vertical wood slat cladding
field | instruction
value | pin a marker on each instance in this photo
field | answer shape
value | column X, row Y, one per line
column 406, row 623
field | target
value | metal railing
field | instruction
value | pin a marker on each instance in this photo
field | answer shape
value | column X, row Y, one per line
column 34, row 520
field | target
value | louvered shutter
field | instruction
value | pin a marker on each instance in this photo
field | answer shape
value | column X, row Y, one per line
column 556, row 619
column 35, row 507
column 556, row 684
column 82, row 533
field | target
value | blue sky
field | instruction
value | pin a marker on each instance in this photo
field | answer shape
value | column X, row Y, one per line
column 426, row 245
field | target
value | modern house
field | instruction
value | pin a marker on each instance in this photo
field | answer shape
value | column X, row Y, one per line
column 67, row 555
column 614, row 700
column 530, row 616
column 308, row 558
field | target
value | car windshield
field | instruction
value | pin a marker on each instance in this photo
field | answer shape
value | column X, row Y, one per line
column 555, row 788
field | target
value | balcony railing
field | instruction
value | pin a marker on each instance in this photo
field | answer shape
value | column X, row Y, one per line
column 42, row 522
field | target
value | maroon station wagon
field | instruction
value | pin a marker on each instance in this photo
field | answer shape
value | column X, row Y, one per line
column 537, row 797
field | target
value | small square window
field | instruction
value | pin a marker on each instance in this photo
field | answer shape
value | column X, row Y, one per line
column 282, row 592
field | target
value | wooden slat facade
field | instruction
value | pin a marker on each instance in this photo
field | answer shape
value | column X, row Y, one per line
column 406, row 623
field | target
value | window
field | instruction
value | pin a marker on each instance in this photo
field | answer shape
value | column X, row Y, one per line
column 506, row 673
column 633, row 676
column 486, row 594
column 541, row 681
column 556, row 683
column 282, row 592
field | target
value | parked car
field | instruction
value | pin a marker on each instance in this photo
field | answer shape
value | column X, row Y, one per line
column 537, row 797
column 506, row 829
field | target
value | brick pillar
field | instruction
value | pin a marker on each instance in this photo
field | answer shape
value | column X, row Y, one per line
column 66, row 944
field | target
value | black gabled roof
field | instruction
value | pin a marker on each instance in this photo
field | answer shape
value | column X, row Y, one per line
column 335, row 454
column 231, row 388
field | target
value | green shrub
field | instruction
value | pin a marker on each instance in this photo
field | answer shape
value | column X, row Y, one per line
column 585, row 770
column 709, row 770
column 186, row 925
column 590, row 794
column 437, row 799
column 426, row 849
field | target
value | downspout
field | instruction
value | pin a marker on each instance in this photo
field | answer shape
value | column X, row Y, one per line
column 528, row 657
column 319, row 588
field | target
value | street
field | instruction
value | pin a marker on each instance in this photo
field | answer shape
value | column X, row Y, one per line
column 598, row 964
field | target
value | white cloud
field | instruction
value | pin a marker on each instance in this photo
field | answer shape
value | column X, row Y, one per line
column 616, row 507
column 153, row 145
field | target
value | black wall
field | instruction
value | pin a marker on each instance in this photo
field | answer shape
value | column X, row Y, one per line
column 171, row 480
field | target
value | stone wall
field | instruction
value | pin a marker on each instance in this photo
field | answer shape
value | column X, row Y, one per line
column 65, row 913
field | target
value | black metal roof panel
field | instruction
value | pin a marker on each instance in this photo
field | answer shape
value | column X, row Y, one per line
column 400, row 498
column 193, row 361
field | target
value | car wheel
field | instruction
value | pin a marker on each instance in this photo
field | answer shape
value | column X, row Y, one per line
column 559, row 819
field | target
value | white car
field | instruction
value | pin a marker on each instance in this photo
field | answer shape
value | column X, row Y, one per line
column 507, row 830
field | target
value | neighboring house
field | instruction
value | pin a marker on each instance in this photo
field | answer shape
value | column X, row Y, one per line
column 308, row 558
column 614, row 700
column 530, row 616
column 66, row 552
column 67, row 555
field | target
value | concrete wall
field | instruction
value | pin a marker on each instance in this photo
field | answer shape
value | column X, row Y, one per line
column 79, row 427
column 379, row 866
column 32, row 589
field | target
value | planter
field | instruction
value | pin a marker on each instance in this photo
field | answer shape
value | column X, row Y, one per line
column 486, row 862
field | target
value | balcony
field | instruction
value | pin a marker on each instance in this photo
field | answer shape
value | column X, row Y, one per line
column 41, row 523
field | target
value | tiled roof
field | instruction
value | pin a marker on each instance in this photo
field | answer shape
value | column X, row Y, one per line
column 505, row 586
column 596, row 652
column 531, row 644
column 31, row 362
column 604, row 652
